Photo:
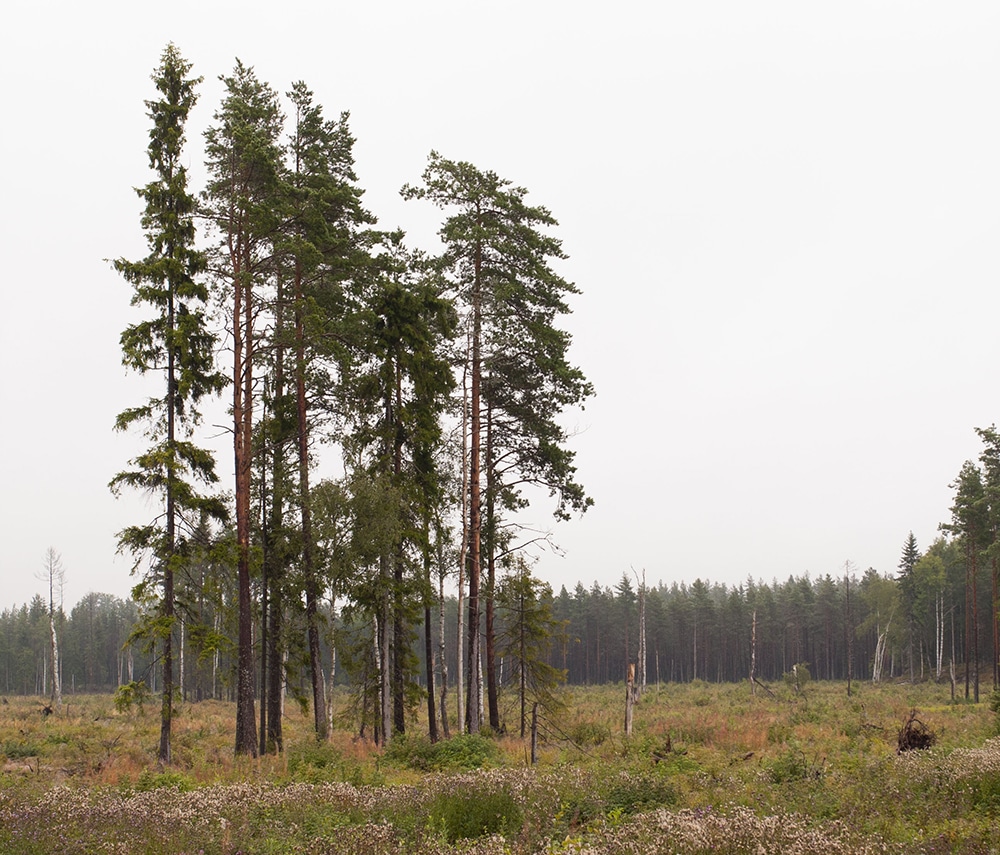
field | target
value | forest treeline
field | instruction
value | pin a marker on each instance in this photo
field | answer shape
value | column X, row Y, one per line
column 907, row 625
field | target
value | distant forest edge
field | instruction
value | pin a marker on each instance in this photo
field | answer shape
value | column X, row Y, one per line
column 910, row 625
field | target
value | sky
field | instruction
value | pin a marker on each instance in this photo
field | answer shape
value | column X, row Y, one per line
column 782, row 217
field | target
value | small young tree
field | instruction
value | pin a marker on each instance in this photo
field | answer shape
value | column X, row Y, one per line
column 529, row 632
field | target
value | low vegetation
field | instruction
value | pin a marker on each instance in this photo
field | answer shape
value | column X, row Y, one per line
column 709, row 768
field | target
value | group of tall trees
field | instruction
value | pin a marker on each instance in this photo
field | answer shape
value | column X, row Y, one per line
column 975, row 527
column 439, row 379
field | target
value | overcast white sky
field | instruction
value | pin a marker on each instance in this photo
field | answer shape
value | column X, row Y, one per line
column 783, row 217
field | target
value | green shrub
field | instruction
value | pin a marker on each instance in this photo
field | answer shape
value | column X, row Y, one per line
column 466, row 816
column 20, row 749
column 586, row 733
column 312, row 754
column 149, row 780
column 632, row 792
column 464, row 751
column 986, row 790
column 797, row 678
column 131, row 695
column 792, row 766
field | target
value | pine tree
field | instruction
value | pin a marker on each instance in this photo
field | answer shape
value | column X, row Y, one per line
column 176, row 342
column 970, row 524
column 324, row 250
column 244, row 204
column 990, row 459
column 498, row 256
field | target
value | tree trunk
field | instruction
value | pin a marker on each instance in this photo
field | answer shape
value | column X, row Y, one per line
column 246, row 731
column 975, row 631
column 474, row 699
column 305, row 512
column 534, row 733
column 463, row 555
column 441, row 645
column 641, row 659
column 432, row 724
column 385, row 694
column 995, row 625
column 629, row 699
column 491, row 664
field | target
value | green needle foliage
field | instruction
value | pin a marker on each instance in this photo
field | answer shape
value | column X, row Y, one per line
column 498, row 256
column 176, row 343
column 243, row 203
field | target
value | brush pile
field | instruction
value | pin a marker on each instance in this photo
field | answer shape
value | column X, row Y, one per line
column 914, row 735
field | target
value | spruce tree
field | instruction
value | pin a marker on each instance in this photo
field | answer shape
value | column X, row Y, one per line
column 910, row 593
column 530, row 629
column 175, row 342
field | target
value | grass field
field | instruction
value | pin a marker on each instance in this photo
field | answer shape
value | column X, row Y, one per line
column 709, row 768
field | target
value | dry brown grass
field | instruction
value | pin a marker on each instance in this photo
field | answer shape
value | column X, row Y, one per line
column 720, row 762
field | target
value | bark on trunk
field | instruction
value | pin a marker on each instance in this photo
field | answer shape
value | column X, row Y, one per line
column 474, row 700
column 246, row 731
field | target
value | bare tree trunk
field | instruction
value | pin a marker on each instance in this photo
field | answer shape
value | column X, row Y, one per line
column 243, row 311
column 385, row 678
column 848, row 626
column 534, row 733
column 492, row 699
column 629, row 698
column 522, row 651
column 441, row 644
column 975, row 631
column 474, row 700
column 463, row 556
column 331, row 678
column 55, row 576
column 275, row 668
column 182, row 658
column 432, row 723
column 995, row 621
column 937, row 636
column 641, row 659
